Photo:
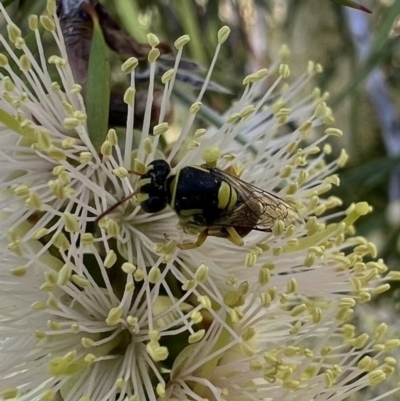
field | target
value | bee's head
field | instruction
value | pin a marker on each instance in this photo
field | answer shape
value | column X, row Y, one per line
column 154, row 185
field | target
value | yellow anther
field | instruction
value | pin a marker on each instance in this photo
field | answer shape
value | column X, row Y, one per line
column 376, row 377
column 247, row 111
column 360, row 341
column 47, row 23
column 196, row 337
column 284, row 71
column 195, row 108
column 344, row 314
column 343, row 158
column 204, row 301
column 71, row 222
column 160, row 129
column 154, row 275
column 334, row 132
column 223, row 34
column 64, row 275
column 19, row 271
column 347, row 303
column 114, row 316
column 129, row 96
column 392, row 344
column 110, row 259
column 153, row 39
column 181, row 41
column 316, row 315
column 154, row 54
column 129, row 65
column 3, row 60
column 121, row 172
column 80, row 281
column 291, row 286
column 9, row 394
column 128, row 268
column 202, row 273
column 298, row 310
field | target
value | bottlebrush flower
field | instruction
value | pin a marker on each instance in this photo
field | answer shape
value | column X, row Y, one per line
column 115, row 310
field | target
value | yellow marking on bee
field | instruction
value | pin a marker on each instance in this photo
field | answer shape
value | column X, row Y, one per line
column 234, row 237
column 227, row 196
column 233, row 200
column 190, row 212
column 224, row 195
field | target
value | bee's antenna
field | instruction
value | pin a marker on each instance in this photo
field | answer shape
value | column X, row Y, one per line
column 121, row 201
column 113, row 207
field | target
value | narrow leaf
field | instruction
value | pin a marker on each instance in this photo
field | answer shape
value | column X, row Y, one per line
column 98, row 87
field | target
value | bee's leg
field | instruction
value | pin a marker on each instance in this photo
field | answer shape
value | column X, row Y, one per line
column 193, row 245
column 234, row 237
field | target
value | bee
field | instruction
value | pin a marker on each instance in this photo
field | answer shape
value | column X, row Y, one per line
column 209, row 202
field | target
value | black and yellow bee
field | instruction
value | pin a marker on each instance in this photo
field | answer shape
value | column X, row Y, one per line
column 209, row 202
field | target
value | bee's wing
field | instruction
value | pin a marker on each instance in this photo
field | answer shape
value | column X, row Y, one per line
column 257, row 209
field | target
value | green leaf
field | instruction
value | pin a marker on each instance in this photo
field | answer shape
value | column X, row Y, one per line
column 98, row 88
column 352, row 4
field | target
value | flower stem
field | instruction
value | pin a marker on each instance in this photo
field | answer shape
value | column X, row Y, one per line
column 211, row 116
